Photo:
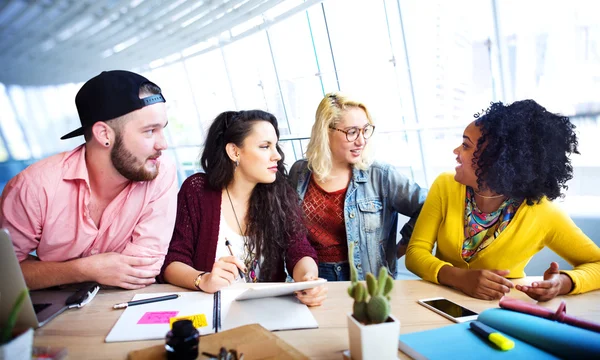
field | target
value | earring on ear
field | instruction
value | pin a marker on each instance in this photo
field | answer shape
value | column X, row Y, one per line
column 237, row 162
column 106, row 143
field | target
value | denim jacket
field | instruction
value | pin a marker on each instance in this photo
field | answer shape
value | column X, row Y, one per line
column 373, row 200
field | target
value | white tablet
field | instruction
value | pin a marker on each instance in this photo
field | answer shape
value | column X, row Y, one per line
column 278, row 289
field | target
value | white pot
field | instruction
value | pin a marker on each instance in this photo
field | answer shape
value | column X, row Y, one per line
column 19, row 348
column 378, row 341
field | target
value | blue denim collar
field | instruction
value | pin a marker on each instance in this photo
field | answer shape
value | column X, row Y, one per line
column 360, row 176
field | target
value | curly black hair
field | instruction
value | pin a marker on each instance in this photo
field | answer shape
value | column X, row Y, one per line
column 274, row 215
column 524, row 151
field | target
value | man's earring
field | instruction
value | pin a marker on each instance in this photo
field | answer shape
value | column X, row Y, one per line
column 106, row 143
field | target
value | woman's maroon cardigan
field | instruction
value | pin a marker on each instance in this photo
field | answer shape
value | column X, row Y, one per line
column 196, row 232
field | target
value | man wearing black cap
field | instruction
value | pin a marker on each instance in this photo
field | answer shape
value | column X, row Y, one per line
column 104, row 211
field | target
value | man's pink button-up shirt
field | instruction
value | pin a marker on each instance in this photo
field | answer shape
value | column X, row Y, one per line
column 45, row 208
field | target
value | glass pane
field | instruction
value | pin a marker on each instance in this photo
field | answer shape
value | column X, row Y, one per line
column 3, row 151
column 17, row 144
column 44, row 137
column 322, row 49
column 449, row 54
column 438, row 147
column 210, row 86
column 586, row 166
column 555, row 58
column 52, row 111
column 186, row 160
column 69, row 118
column 391, row 147
column 60, row 103
column 184, row 127
column 363, row 57
column 252, row 75
column 294, row 149
column 297, row 70
column 19, row 100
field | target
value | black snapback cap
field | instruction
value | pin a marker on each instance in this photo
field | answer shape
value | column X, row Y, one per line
column 110, row 95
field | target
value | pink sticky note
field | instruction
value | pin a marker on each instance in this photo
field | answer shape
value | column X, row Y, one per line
column 157, row 317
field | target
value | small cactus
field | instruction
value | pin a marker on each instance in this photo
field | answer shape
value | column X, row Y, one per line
column 377, row 309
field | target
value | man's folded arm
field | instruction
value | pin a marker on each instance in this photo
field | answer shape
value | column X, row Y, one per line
column 43, row 274
column 152, row 234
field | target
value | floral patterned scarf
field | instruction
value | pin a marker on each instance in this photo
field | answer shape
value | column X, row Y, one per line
column 482, row 228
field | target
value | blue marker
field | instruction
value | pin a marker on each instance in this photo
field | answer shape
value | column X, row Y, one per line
column 492, row 335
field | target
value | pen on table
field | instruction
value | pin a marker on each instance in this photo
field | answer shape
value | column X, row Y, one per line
column 215, row 311
column 145, row 301
column 228, row 244
column 219, row 310
column 492, row 335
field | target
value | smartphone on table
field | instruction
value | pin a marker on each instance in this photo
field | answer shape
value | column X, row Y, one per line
column 449, row 309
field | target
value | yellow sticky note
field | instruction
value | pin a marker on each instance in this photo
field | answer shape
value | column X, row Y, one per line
column 199, row 320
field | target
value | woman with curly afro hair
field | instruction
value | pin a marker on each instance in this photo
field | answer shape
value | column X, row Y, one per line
column 495, row 213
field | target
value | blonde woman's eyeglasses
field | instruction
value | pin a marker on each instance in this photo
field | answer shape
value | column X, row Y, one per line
column 353, row 132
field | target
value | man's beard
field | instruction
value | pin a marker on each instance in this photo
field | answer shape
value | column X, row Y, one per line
column 127, row 164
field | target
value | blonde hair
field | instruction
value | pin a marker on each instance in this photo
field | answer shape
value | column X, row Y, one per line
column 329, row 114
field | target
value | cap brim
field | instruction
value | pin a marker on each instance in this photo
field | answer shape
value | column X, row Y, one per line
column 72, row 134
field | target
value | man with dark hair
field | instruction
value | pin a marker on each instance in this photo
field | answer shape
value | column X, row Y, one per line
column 104, row 211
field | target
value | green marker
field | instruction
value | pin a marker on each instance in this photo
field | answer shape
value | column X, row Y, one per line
column 492, row 335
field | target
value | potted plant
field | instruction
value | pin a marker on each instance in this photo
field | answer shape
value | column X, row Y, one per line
column 21, row 346
column 373, row 332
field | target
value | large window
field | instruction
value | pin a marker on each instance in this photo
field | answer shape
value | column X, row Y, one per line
column 423, row 68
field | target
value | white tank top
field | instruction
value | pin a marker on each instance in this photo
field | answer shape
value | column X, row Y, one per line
column 236, row 240
column 237, row 246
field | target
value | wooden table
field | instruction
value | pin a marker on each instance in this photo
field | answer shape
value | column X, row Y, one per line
column 82, row 331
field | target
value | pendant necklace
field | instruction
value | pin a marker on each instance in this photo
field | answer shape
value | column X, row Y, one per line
column 248, row 261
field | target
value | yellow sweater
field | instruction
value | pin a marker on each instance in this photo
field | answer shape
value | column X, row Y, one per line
column 532, row 228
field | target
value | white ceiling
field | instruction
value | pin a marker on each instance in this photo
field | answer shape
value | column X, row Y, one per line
column 45, row 42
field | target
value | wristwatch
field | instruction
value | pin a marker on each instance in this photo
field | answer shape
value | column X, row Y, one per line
column 199, row 278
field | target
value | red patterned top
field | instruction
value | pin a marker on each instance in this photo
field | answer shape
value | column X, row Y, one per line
column 325, row 222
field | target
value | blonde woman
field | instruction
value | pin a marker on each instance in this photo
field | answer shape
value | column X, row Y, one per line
column 347, row 198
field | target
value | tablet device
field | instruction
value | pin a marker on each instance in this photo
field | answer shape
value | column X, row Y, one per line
column 278, row 289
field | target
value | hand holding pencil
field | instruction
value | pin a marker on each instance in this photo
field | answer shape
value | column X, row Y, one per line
column 228, row 244
column 224, row 272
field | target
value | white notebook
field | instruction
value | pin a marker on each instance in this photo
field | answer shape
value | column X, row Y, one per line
column 151, row 321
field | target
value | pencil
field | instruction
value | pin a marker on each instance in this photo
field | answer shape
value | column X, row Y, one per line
column 228, row 244
column 145, row 301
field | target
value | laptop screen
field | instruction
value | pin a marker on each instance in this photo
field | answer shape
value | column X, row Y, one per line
column 12, row 285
